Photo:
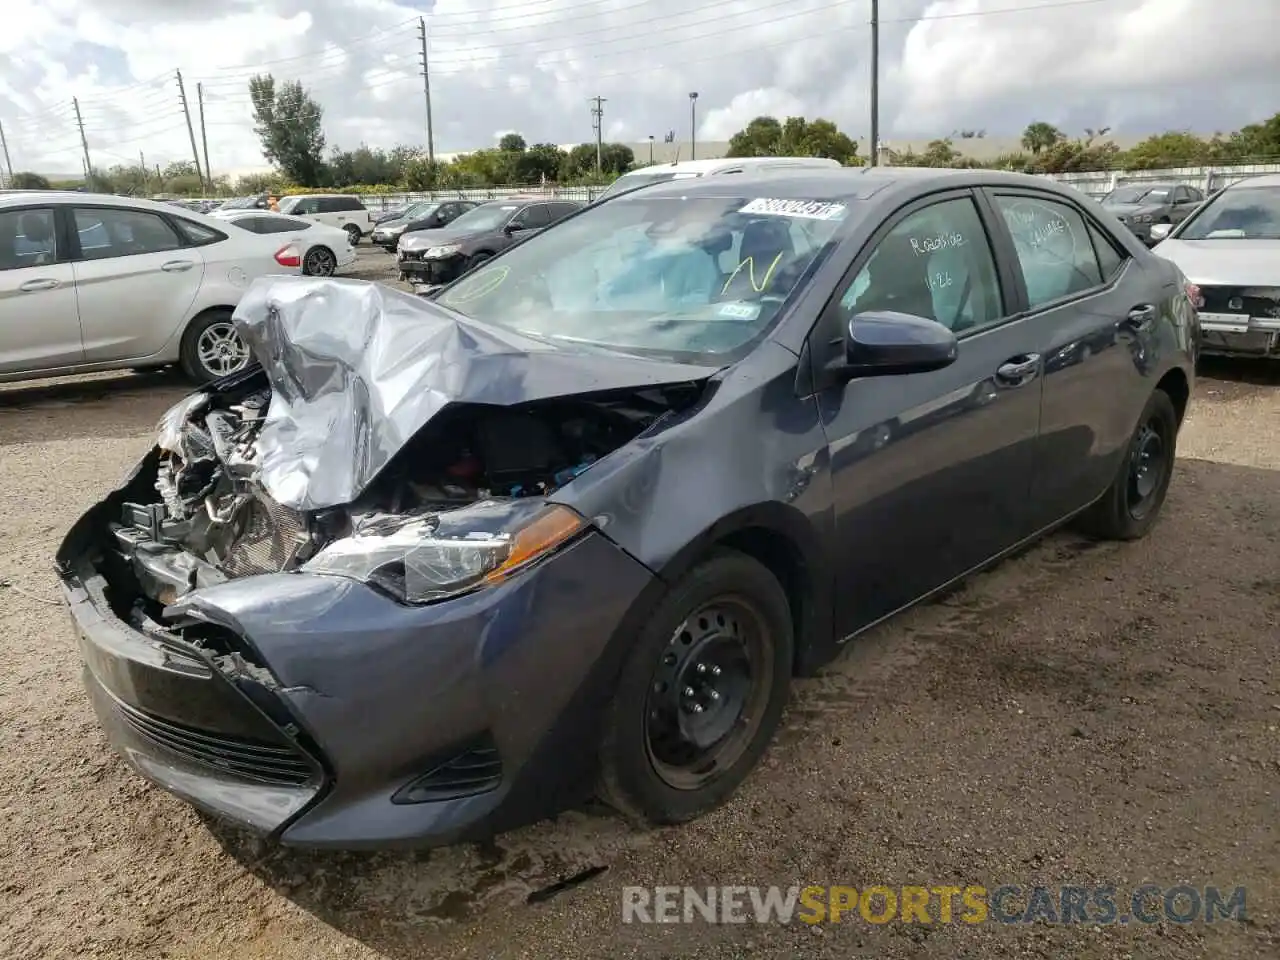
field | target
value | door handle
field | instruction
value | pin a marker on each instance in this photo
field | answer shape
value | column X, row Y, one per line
column 177, row 266
column 44, row 283
column 1141, row 317
column 1018, row 370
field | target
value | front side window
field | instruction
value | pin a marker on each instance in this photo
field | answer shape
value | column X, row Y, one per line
column 1238, row 213
column 699, row 279
column 534, row 216
column 937, row 264
column 300, row 206
column 27, row 239
column 108, row 232
column 1053, row 247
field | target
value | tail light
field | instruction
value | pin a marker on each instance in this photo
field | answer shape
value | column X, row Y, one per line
column 289, row 256
column 1195, row 296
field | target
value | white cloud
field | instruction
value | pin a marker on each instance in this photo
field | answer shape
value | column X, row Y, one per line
column 532, row 65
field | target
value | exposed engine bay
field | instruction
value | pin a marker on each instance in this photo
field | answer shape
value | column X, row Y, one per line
column 211, row 520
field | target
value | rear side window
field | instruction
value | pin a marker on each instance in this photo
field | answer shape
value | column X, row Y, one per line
column 197, row 234
column 1053, row 246
column 341, row 204
column 303, row 206
column 561, row 210
column 117, row 232
column 27, row 239
column 281, row 225
column 1110, row 260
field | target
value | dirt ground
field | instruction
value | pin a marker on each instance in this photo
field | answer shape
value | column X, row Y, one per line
column 1082, row 714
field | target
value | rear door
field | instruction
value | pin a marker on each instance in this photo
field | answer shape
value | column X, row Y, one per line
column 1092, row 308
column 1184, row 201
column 39, row 323
column 931, row 471
column 136, row 278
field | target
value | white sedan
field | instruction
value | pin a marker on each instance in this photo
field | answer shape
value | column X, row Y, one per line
column 324, row 250
column 93, row 282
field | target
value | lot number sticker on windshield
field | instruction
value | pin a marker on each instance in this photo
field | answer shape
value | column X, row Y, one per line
column 805, row 209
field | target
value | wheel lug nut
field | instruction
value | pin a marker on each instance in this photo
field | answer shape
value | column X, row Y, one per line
column 689, row 691
column 715, row 671
column 702, row 668
column 714, row 694
column 697, row 708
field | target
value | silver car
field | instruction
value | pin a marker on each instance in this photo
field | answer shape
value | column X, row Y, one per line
column 1230, row 249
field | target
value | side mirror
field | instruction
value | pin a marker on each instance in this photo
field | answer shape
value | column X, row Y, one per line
column 1159, row 231
column 511, row 228
column 883, row 343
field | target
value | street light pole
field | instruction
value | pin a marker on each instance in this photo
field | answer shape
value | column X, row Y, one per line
column 693, row 125
column 651, row 149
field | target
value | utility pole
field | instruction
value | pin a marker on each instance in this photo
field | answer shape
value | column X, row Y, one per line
column 88, row 166
column 8, row 164
column 186, row 109
column 875, row 83
column 204, row 137
column 693, row 126
column 426, row 90
column 597, row 123
column 142, row 165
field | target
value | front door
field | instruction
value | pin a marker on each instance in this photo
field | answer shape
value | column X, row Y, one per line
column 39, row 325
column 135, row 281
column 930, row 471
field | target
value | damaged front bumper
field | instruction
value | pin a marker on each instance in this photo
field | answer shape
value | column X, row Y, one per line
column 340, row 718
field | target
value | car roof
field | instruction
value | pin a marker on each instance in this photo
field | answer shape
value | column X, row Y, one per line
column 24, row 197
column 1262, row 180
column 840, row 183
column 709, row 166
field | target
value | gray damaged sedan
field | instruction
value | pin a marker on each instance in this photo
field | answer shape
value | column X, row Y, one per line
column 438, row 567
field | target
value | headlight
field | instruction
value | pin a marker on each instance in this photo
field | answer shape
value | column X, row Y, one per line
column 444, row 250
column 419, row 559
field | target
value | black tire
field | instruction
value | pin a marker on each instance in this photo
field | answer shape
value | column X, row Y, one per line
column 353, row 233
column 319, row 262
column 193, row 366
column 1132, row 503
column 633, row 779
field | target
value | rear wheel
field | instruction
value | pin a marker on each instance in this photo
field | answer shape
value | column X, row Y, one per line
column 212, row 348
column 701, row 693
column 319, row 262
column 1132, row 503
column 353, row 233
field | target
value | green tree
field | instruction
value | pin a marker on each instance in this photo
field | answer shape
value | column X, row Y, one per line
column 1040, row 136
column 1257, row 140
column 512, row 143
column 616, row 158
column 362, row 165
column 1166, row 150
column 539, row 161
column 759, row 138
column 288, row 122
column 23, row 180
column 132, row 181
column 579, row 162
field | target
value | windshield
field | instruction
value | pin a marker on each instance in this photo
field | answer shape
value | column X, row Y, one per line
column 485, row 217
column 632, row 180
column 288, row 203
column 1239, row 213
column 239, row 203
column 695, row 279
column 1137, row 195
column 423, row 208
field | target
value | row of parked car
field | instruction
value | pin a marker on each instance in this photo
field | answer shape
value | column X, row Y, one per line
column 93, row 282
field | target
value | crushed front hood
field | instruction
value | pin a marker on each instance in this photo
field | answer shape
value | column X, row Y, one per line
column 1226, row 262
column 356, row 369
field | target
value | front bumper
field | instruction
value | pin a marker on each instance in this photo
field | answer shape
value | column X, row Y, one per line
column 353, row 701
column 1240, row 321
column 388, row 241
column 433, row 272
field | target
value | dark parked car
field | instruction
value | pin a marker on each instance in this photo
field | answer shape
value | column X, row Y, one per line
column 393, row 213
column 1139, row 206
column 575, row 521
column 426, row 215
column 436, row 257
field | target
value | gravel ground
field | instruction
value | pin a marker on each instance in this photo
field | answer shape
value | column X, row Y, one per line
column 1082, row 714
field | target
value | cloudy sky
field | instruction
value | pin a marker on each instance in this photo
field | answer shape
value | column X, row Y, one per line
column 531, row 65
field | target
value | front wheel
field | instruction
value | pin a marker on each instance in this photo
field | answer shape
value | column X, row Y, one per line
column 212, row 348
column 1132, row 503
column 700, row 694
column 353, row 233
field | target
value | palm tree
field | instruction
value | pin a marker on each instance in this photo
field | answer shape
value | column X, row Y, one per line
column 1041, row 136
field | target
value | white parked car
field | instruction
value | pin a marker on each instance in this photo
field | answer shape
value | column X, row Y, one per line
column 692, row 169
column 334, row 209
column 1230, row 249
column 324, row 249
column 90, row 282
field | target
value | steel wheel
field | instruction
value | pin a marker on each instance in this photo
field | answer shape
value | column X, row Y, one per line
column 319, row 262
column 709, row 693
column 220, row 349
column 1148, row 463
